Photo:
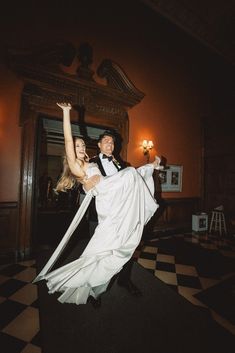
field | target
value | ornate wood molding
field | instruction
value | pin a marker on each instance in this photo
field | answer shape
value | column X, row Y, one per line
column 47, row 84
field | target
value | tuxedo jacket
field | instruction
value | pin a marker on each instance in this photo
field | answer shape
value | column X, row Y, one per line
column 125, row 273
column 97, row 160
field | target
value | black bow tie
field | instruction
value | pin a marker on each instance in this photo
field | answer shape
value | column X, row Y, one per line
column 110, row 158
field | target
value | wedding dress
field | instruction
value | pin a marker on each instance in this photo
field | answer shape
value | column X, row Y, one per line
column 124, row 204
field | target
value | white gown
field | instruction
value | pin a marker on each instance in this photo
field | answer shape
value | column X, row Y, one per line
column 124, row 204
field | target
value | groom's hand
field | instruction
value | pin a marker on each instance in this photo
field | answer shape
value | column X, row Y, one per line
column 91, row 182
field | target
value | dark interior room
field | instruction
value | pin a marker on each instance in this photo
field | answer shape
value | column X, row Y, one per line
column 158, row 75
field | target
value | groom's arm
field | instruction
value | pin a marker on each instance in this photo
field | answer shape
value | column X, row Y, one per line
column 91, row 182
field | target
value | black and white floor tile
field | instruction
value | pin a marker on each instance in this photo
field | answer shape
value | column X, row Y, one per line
column 19, row 319
column 198, row 267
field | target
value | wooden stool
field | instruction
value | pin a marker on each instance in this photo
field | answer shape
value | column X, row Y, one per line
column 218, row 222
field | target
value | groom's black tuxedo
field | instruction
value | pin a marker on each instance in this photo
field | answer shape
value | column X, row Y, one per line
column 97, row 160
column 125, row 273
column 121, row 165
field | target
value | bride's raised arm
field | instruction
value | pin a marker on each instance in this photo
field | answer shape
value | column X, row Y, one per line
column 68, row 140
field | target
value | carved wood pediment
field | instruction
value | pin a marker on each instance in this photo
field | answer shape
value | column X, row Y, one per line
column 46, row 83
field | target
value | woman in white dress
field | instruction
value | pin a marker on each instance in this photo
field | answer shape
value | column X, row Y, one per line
column 124, row 204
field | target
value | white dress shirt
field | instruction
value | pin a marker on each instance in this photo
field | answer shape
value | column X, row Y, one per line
column 108, row 166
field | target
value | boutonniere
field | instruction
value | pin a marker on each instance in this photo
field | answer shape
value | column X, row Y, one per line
column 117, row 163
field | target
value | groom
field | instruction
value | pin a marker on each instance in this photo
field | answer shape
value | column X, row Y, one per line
column 108, row 166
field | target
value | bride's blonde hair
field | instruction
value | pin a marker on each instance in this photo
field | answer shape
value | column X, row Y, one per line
column 68, row 180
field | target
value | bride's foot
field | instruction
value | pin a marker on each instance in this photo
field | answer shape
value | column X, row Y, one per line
column 156, row 163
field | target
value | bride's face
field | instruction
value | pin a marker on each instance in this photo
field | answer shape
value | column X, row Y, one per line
column 80, row 149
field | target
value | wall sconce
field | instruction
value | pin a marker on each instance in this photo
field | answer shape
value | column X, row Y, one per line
column 147, row 146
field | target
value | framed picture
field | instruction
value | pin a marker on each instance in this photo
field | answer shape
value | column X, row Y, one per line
column 171, row 178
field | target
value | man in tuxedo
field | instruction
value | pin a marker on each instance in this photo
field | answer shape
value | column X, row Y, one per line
column 108, row 166
column 105, row 160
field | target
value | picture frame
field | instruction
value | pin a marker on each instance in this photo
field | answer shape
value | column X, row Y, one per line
column 171, row 178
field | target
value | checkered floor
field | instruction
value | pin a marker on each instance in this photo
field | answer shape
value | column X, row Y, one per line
column 168, row 258
column 19, row 319
column 192, row 270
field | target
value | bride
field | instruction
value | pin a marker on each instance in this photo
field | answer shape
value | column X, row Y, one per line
column 124, row 204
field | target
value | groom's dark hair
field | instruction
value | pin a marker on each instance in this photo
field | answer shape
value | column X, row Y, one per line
column 107, row 133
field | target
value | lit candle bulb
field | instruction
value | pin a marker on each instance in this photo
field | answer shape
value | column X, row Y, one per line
column 145, row 143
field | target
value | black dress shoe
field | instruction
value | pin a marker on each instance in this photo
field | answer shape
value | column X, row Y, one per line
column 96, row 303
column 130, row 287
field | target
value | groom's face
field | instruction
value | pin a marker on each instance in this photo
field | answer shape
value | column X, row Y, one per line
column 106, row 145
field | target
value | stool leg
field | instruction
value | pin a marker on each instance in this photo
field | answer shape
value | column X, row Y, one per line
column 220, row 223
column 216, row 221
column 224, row 223
column 212, row 220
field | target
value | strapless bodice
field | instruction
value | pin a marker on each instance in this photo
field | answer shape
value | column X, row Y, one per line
column 92, row 169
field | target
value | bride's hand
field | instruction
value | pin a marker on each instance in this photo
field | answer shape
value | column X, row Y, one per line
column 64, row 106
column 91, row 182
